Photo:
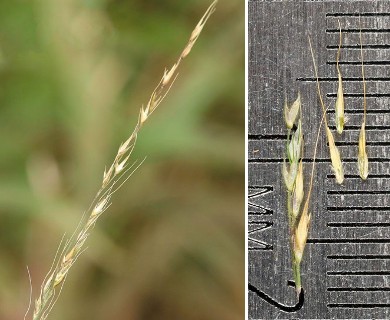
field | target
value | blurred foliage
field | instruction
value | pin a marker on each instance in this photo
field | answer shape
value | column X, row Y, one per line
column 73, row 75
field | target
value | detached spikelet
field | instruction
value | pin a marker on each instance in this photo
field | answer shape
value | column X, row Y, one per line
column 290, row 114
column 335, row 157
column 362, row 154
column 339, row 107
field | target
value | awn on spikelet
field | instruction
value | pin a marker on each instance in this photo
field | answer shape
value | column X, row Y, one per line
column 339, row 106
column 335, row 157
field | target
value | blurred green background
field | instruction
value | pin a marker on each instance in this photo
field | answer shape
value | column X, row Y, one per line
column 73, row 75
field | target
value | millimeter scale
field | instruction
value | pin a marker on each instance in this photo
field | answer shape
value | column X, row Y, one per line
column 346, row 265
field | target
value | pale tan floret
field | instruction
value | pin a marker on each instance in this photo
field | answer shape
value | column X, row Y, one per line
column 362, row 156
column 335, row 158
column 290, row 114
column 301, row 233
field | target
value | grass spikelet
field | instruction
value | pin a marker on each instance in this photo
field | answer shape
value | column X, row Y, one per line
column 298, row 192
column 300, row 236
column 289, row 175
column 362, row 154
column 339, row 107
column 290, row 114
column 335, row 157
column 113, row 179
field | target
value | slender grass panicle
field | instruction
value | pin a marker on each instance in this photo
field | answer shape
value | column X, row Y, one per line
column 299, row 218
column 335, row 157
column 113, row 178
column 293, row 178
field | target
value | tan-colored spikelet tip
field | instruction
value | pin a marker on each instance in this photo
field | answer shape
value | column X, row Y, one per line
column 290, row 114
column 198, row 29
column 335, row 158
column 362, row 156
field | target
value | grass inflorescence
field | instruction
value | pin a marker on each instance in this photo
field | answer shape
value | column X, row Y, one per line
column 113, row 178
column 293, row 180
column 299, row 217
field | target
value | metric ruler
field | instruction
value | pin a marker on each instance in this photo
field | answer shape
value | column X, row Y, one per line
column 346, row 264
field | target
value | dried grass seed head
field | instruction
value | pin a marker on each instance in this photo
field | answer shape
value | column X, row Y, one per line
column 74, row 245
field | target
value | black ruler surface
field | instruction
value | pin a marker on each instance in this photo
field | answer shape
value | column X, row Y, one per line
column 346, row 267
